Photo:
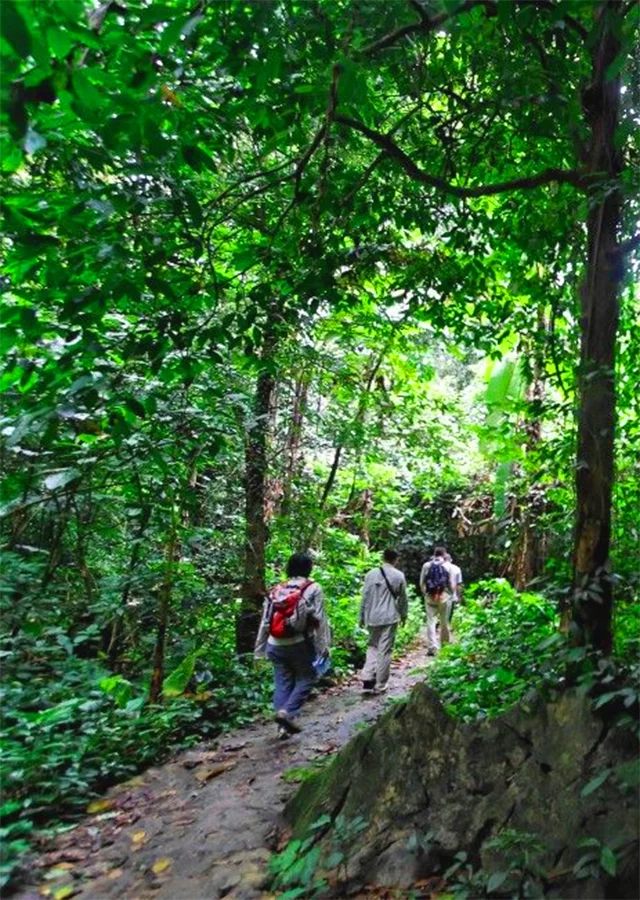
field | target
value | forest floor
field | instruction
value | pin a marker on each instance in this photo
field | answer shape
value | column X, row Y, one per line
column 204, row 824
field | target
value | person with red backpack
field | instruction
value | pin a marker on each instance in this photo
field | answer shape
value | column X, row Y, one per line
column 436, row 584
column 293, row 634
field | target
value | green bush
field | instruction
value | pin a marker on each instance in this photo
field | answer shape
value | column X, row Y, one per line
column 498, row 655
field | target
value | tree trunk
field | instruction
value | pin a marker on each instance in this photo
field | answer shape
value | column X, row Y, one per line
column 253, row 584
column 294, row 439
column 115, row 637
column 164, row 606
column 599, row 302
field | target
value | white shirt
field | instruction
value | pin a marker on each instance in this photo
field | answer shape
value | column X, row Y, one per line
column 456, row 578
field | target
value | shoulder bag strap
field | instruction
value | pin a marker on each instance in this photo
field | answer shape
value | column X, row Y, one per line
column 391, row 591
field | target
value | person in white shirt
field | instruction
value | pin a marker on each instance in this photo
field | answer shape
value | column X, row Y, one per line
column 384, row 604
column 436, row 584
column 456, row 578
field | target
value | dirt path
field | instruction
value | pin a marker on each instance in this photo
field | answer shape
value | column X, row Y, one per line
column 203, row 825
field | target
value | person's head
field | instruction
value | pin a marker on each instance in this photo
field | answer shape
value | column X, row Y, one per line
column 440, row 552
column 390, row 556
column 299, row 565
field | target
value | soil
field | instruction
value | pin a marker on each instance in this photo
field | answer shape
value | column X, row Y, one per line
column 204, row 825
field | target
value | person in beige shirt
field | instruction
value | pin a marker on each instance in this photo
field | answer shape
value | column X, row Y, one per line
column 384, row 604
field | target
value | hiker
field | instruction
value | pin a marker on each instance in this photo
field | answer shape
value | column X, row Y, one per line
column 293, row 634
column 384, row 604
column 456, row 580
column 436, row 584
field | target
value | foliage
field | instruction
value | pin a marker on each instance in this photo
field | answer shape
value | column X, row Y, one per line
column 497, row 658
column 304, row 868
column 197, row 199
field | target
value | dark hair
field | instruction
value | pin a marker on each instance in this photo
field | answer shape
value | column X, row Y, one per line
column 390, row 555
column 439, row 551
column 299, row 565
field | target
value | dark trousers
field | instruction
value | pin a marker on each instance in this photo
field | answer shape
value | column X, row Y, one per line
column 293, row 674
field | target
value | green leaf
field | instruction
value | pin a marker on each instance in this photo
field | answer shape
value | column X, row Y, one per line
column 14, row 28
column 176, row 683
column 496, row 881
column 60, row 42
column 608, row 860
column 58, row 480
column 595, row 783
column 85, row 90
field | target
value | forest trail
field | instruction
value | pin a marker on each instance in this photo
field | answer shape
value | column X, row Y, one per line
column 204, row 824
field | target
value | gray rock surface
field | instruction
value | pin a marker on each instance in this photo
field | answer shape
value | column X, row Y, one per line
column 429, row 787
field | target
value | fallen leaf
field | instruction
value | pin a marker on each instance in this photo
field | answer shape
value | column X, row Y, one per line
column 115, row 873
column 204, row 775
column 231, row 748
column 138, row 837
column 57, row 872
column 100, row 806
column 183, row 821
column 161, row 865
column 68, row 890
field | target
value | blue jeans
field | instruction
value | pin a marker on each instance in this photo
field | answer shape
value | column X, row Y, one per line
column 293, row 674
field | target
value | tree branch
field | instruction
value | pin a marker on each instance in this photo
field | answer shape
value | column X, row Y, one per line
column 548, row 176
column 557, row 9
column 424, row 26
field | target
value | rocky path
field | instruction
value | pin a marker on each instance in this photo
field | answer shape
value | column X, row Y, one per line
column 203, row 825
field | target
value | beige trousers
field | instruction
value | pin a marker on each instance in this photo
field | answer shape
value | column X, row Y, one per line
column 437, row 612
column 378, row 662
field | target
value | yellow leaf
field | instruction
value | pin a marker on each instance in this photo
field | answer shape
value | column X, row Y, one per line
column 138, row 837
column 204, row 775
column 68, row 890
column 115, row 873
column 45, row 892
column 160, row 865
column 99, row 806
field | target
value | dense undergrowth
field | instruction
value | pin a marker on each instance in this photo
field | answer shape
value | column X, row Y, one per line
column 71, row 727
column 68, row 738
column 508, row 643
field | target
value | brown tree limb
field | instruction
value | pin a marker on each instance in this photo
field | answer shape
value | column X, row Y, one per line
column 424, row 26
column 547, row 176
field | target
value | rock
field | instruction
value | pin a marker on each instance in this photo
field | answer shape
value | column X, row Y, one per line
column 424, row 787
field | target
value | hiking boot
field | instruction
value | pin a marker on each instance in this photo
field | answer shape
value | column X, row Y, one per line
column 368, row 686
column 382, row 688
column 283, row 734
column 285, row 721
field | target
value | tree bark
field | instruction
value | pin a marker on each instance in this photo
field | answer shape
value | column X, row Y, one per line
column 164, row 606
column 593, row 593
column 294, row 439
column 253, row 584
column 115, row 638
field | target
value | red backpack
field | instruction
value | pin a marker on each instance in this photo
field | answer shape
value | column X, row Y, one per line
column 285, row 599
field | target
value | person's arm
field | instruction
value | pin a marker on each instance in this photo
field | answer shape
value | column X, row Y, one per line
column 364, row 603
column 403, row 601
column 322, row 631
column 263, row 633
column 423, row 578
column 459, row 587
